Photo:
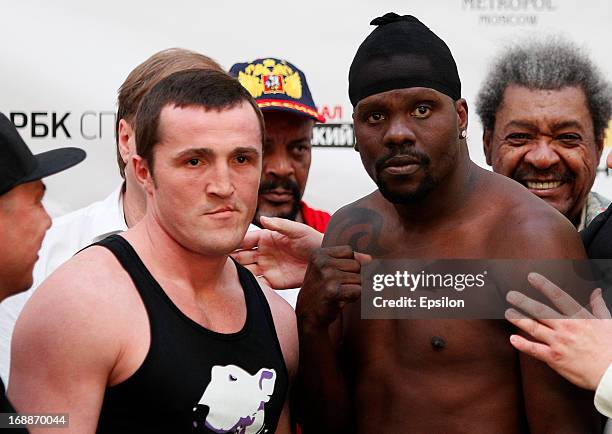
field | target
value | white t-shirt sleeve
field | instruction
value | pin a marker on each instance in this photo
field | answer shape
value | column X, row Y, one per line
column 603, row 394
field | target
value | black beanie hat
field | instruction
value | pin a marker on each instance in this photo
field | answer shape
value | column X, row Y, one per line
column 400, row 53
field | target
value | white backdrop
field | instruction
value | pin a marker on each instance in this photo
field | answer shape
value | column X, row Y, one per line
column 71, row 56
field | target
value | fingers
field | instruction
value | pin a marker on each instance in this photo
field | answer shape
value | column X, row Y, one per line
column 339, row 271
column 598, row 305
column 251, row 240
column 534, row 349
column 281, row 225
column 532, row 307
column 333, row 280
column 534, row 328
column 348, row 265
column 289, row 228
column 363, row 258
column 254, row 268
column 245, row 257
column 348, row 294
column 338, row 260
column 348, row 278
column 348, row 287
column 339, row 252
column 566, row 304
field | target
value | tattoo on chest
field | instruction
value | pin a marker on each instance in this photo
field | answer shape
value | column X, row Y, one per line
column 361, row 228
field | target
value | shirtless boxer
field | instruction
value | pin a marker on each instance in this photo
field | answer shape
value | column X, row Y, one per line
column 425, row 376
column 157, row 330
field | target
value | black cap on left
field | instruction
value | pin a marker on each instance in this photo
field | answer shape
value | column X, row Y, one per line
column 18, row 165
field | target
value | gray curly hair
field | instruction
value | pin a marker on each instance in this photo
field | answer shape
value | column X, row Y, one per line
column 549, row 64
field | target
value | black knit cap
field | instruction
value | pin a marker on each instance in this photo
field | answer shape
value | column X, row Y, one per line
column 400, row 53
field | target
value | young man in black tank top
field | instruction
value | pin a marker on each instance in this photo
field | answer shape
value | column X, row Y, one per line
column 158, row 330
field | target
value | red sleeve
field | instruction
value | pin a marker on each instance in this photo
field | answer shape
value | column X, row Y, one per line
column 315, row 218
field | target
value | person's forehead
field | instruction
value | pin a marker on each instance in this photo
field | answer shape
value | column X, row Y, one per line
column 277, row 118
column 197, row 118
column 23, row 193
column 567, row 103
column 286, row 126
column 196, row 126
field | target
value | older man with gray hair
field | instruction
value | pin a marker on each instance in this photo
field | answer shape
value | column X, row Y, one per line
column 544, row 107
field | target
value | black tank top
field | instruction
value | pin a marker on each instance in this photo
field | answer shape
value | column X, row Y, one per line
column 193, row 379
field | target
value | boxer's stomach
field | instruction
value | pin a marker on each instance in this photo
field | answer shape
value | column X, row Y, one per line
column 434, row 377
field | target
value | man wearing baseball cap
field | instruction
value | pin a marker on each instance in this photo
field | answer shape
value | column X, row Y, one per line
column 23, row 219
column 283, row 96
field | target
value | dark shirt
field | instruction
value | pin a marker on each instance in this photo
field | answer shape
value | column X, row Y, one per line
column 7, row 407
column 194, row 379
column 597, row 236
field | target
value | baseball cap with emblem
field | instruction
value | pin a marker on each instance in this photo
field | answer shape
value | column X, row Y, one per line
column 277, row 85
column 18, row 165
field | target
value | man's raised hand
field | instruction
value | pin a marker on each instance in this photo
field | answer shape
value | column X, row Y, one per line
column 332, row 280
column 280, row 252
column 574, row 342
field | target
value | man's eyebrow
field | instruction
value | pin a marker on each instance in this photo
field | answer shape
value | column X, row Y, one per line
column 567, row 124
column 522, row 124
column 246, row 150
column 300, row 140
column 370, row 105
column 195, row 152
column 208, row 152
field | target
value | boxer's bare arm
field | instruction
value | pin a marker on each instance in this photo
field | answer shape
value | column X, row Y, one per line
column 286, row 330
column 552, row 404
column 332, row 280
column 323, row 397
column 65, row 344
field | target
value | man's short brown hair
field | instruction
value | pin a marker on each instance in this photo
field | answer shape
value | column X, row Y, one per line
column 148, row 74
column 205, row 88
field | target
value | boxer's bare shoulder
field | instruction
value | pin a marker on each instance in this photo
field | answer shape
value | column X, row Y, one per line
column 92, row 279
column 359, row 224
column 81, row 323
column 520, row 221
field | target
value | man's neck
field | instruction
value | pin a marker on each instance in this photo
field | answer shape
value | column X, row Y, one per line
column 134, row 205
column 579, row 217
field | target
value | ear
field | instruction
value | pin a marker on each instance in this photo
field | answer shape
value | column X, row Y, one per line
column 125, row 140
column 355, row 145
column 486, row 144
column 462, row 114
column 267, row 378
column 599, row 144
column 142, row 173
